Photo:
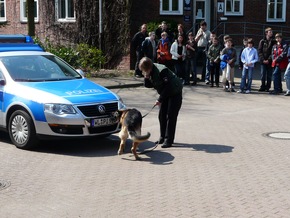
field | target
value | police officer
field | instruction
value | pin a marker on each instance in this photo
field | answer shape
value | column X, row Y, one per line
column 169, row 88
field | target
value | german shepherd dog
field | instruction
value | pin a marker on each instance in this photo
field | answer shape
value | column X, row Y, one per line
column 131, row 122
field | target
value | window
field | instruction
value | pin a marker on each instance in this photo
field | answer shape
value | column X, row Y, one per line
column 171, row 7
column 276, row 11
column 2, row 10
column 23, row 11
column 200, row 10
column 65, row 10
column 234, row 7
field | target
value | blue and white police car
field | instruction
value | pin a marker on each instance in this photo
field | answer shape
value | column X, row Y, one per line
column 42, row 96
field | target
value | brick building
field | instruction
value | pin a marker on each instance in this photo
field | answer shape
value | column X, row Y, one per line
column 238, row 18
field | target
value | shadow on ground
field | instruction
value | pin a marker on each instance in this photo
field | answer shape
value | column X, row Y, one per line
column 208, row 148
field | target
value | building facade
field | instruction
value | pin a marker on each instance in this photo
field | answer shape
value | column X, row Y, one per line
column 69, row 20
column 238, row 18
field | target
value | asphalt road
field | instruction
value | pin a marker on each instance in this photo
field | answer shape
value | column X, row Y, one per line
column 222, row 164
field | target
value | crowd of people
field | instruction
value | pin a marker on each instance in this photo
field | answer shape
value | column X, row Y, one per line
column 170, row 63
column 181, row 52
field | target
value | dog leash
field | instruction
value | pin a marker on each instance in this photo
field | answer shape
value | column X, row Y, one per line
column 149, row 150
column 149, row 111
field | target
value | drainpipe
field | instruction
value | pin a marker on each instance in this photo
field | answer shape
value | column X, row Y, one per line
column 100, row 24
column 100, row 28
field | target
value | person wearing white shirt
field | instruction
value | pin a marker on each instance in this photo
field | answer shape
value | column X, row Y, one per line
column 202, row 38
column 178, row 52
column 249, row 57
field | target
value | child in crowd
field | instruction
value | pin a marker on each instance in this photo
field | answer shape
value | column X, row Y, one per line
column 178, row 53
column 245, row 44
column 249, row 57
column 213, row 56
column 163, row 50
column 229, row 55
column 279, row 57
column 287, row 74
column 190, row 61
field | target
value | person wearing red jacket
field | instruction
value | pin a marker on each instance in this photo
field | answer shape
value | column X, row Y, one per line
column 279, row 57
column 163, row 51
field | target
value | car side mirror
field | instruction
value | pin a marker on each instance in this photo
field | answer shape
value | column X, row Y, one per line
column 81, row 72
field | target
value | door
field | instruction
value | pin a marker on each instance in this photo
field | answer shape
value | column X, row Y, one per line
column 201, row 11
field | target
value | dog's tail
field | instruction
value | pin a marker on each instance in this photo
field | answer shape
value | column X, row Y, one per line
column 139, row 138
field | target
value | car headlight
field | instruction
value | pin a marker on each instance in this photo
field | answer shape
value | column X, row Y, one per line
column 121, row 105
column 60, row 108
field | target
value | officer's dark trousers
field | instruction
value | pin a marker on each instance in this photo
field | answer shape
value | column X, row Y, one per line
column 168, row 117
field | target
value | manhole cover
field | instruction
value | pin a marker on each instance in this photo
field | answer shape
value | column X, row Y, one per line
column 4, row 184
column 279, row 135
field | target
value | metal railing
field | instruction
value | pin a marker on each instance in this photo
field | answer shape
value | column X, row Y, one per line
column 249, row 29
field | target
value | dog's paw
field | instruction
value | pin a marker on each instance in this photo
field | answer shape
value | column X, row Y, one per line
column 138, row 158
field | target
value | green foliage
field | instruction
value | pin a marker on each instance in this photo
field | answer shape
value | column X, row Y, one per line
column 84, row 56
column 153, row 25
column 89, row 57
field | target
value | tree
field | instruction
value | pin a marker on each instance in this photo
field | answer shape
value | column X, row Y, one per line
column 30, row 17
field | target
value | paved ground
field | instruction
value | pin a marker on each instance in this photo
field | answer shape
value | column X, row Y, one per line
column 222, row 165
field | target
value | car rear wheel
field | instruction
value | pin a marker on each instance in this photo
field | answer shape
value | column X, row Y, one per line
column 21, row 130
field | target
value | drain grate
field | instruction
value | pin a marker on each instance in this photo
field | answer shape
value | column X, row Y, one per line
column 4, row 184
column 278, row 135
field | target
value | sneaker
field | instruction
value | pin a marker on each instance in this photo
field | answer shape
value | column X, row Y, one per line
column 206, row 82
column 273, row 92
column 287, row 93
column 248, row 92
column 233, row 90
column 240, row 91
column 262, row 90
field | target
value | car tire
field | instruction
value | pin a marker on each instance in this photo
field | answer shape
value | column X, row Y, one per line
column 21, row 130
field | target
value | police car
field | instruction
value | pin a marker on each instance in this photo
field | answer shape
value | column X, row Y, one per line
column 42, row 96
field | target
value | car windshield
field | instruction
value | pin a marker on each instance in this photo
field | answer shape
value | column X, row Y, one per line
column 38, row 68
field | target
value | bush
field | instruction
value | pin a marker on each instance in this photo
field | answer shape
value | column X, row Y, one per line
column 84, row 56
column 89, row 57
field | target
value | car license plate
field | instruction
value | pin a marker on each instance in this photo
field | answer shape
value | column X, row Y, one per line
column 101, row 122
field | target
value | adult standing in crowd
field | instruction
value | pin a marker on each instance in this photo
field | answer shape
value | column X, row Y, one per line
column 149, row 47
column 180, row 32
column 163, row 27
column 202, row 38
column 265, row 56
column 169, row 88
column 137, row 40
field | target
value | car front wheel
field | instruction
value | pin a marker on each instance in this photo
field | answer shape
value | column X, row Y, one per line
column 21, row 130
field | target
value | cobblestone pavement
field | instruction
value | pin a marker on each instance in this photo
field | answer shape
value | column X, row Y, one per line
column 222, row 165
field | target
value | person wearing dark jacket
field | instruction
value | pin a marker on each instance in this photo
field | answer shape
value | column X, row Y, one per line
column 149, row 47
column 279, row 63
column 169, row 88
column 265, row 57
column 137, row 40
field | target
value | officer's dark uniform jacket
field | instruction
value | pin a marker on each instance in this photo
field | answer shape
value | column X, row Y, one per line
column 164, row 81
